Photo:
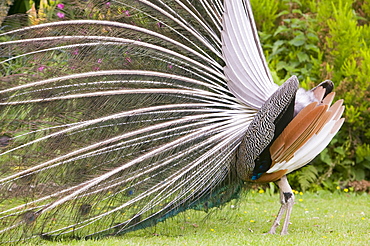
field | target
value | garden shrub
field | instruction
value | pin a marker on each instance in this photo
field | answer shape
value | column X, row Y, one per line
column 318, row 40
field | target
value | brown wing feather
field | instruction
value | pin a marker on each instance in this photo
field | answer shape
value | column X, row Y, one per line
column 329, row 98
column 301, row 133
column 307, row 123
column 337, row 125
column 319, row 93
column 298, row 126
column 338, row 108
column 279, row 143
column 271, row 177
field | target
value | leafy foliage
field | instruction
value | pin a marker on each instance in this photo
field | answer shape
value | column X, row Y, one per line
column 318, row 40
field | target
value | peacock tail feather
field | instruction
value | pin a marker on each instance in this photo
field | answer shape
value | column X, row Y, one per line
column 127, row 113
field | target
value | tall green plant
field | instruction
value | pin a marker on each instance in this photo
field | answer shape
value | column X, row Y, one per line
column 318, row 40
column 347, row 56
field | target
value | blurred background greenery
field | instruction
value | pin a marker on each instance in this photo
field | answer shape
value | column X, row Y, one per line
column 319, row 40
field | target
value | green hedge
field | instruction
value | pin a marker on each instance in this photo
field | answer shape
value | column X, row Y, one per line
column 318, row 40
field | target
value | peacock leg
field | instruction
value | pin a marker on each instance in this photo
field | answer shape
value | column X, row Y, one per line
column 277, row 219
column 287, row 201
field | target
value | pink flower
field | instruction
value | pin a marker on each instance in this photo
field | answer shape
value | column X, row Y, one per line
column 60, row 15
column 128, row 59
column 60, row 6
column 41, row 68
column 170, row 66
column 75, row 52
column 100, row 60
column 108, row 4
column 126, row 12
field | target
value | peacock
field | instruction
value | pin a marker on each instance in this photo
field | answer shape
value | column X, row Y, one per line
column 121, row 114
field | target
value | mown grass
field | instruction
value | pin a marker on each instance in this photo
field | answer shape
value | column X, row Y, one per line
column 322, row 218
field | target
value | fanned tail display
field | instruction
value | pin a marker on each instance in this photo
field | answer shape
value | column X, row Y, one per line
column 134, row 111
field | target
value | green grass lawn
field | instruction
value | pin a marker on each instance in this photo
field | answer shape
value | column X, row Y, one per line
column 318, row 219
